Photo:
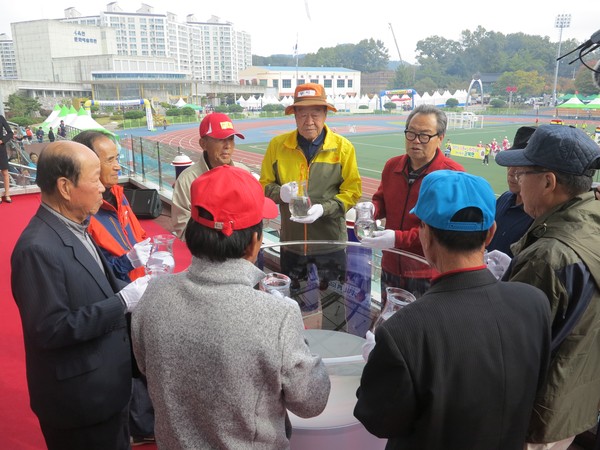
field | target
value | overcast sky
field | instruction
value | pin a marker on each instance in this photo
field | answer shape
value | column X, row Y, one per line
column 275, row 25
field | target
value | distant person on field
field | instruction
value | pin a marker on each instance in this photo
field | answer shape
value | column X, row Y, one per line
column 39, row 134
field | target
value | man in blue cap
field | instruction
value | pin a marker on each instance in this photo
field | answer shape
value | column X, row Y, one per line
column 459, row 367
column 559, row 254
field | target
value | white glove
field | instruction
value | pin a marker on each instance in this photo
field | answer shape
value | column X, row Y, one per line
column 287, row 191
column 367, row 204
column 381, row 240
column 369, row 345
column 497, row 262
column 313, row 213
column 132, row 293
column 139, row 254
column 286, row 299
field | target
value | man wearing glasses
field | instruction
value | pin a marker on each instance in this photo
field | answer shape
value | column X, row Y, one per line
column 559, row 255
column 398, row 193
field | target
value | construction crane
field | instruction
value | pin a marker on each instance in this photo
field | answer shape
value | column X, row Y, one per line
column 395, row 41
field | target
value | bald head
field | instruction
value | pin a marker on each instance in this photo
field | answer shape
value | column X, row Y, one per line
column 61, row 159
column 69, row 177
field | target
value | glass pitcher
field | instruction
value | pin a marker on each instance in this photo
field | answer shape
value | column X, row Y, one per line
column 300, row 203
column 364, row 225
column 161, row 260
column 397, row 299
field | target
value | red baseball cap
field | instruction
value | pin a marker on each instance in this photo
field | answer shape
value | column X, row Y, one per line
column 234, row 198
column 218, row 126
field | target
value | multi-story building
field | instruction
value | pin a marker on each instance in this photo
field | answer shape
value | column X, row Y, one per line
column 8, row 62
column 211, row 51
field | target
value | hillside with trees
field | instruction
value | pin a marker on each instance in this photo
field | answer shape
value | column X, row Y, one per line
column 525, row 61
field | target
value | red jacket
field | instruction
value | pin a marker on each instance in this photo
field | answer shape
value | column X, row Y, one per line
column 395, row 198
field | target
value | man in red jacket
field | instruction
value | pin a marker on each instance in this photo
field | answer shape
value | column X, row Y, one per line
column 398, row 193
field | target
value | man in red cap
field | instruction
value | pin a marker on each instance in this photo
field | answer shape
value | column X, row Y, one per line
column 217, row 139
column 326, row 161
column 224, row 361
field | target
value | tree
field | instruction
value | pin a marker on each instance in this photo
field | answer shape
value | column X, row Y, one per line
column 22, row 105
column 389, row 106
column 584, row 82
column 368, row 55
column 529, row 84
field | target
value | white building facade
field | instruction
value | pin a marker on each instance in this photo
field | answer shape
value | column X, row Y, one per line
column 282, row 81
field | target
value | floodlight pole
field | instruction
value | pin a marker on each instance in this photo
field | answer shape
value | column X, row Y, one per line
column 562, row 21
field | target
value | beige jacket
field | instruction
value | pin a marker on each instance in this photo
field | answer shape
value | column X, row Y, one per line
column 181, row 201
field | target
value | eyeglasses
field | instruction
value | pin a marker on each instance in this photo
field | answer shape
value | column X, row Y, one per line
column 517, row 175
column 423, row 138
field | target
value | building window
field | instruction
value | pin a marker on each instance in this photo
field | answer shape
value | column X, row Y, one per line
column 314, row 80
column 275, row 83
column 286, row 84
column 327, row 83
column 349, row 84
column 341, row 83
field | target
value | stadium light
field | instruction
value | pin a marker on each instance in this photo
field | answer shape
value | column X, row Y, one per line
column 562, row 21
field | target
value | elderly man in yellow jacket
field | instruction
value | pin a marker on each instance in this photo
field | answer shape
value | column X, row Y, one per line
column 326, row 162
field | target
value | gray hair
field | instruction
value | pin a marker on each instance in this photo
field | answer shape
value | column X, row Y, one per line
column 442, row 120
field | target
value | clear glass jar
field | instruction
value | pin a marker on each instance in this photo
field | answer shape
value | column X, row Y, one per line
column 364, row 225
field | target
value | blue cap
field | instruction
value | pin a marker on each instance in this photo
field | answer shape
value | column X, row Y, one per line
column 556, row 147
column 443, row 193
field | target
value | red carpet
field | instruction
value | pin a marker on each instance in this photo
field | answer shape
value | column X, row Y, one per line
column 19, row 428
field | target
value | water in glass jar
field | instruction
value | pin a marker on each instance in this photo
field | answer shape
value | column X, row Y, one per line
column 364, row 228
column 299, row 206
column 160, row 263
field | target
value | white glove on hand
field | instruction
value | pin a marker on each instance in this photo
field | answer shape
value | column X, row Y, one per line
column 286, row 299
column 313, row 213
column 139, row 254
column 497, row 262
column 287, row 191
column 381, row 240
column 369, row 345
column 132, row 293
column 366, row 205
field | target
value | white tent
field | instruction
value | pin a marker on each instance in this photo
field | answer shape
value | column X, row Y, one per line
column 70, row 116
column 180, row 103
column 85, row 122
column 241, row 101
column 53, row 115
column 253, row 102
column 270, row 100
column 374, row 102
column 364, row 100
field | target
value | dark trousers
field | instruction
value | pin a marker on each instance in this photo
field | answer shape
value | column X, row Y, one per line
column 112, row 434
column 141, row 411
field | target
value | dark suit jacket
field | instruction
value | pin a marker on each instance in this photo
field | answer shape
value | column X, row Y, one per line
column 76, row 342
column 458, row 368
